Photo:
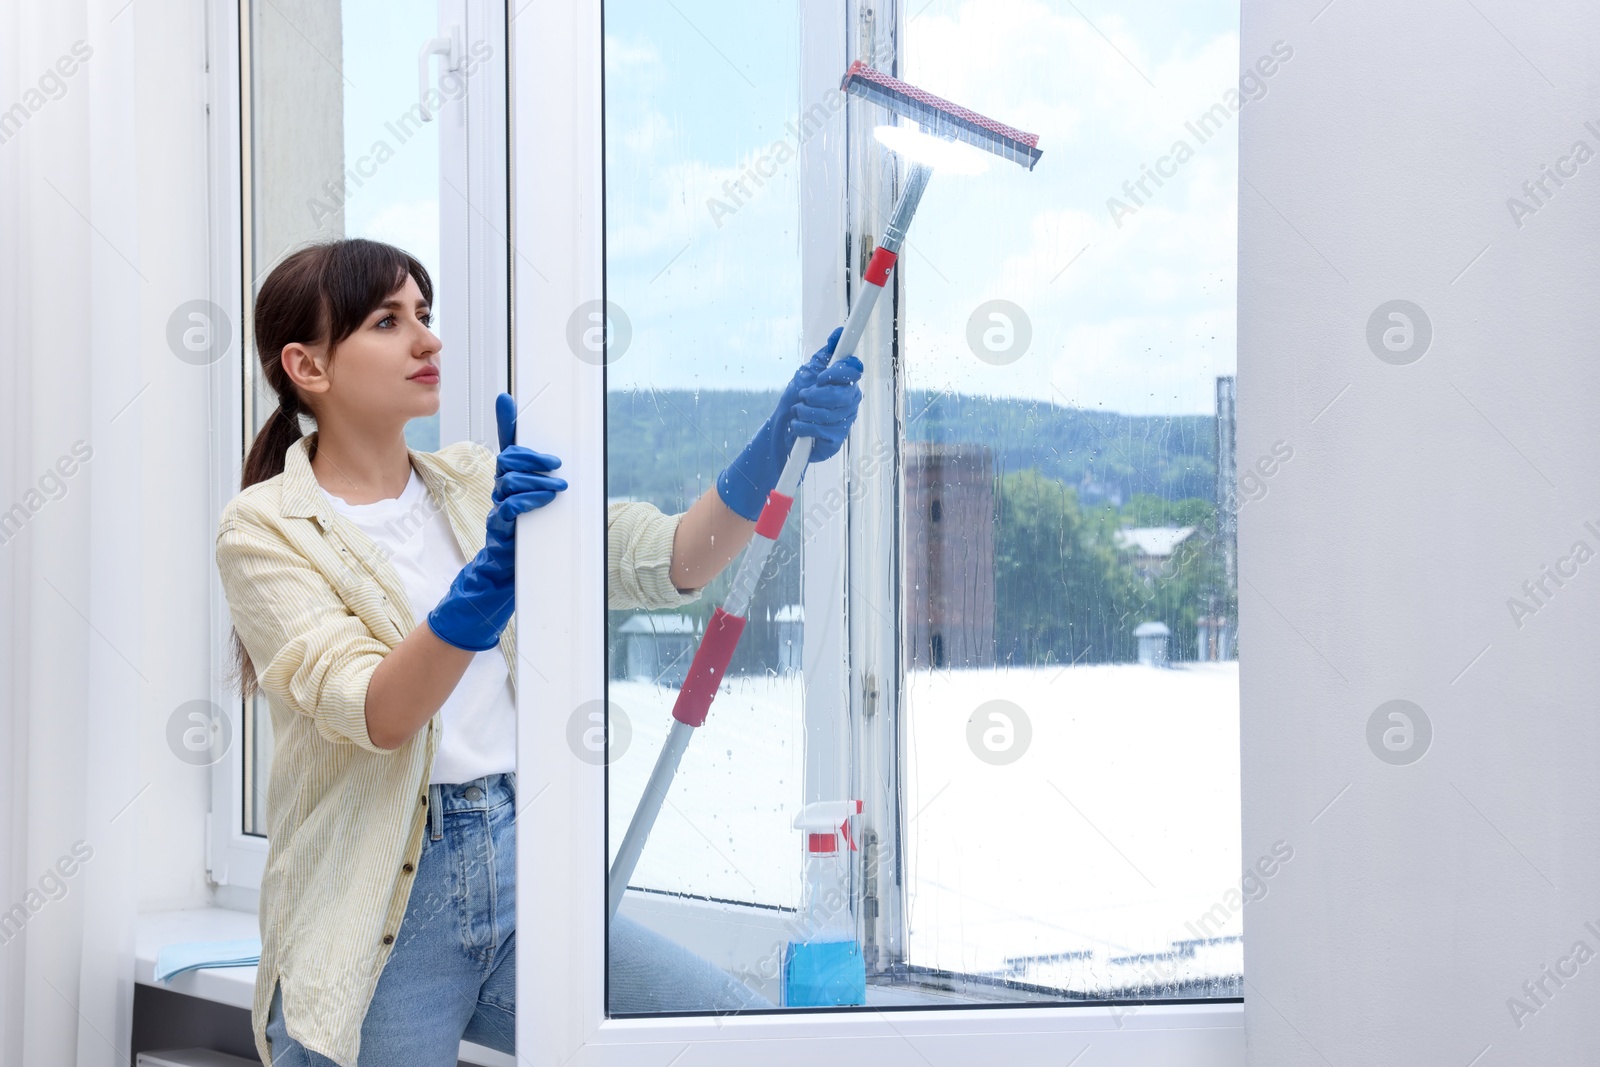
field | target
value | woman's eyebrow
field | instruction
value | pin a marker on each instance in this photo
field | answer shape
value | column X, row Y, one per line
column 398, row 305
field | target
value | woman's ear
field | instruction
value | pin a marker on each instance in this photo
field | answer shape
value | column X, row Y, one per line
column 306, row 366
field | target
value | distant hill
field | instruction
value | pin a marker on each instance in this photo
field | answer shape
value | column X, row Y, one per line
column 667, row 445
column 1067, row 478
column 1173, row 457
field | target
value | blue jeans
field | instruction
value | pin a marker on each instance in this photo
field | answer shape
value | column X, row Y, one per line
column 452, row 972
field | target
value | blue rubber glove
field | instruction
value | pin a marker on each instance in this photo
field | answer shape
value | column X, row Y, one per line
column 820, row 401
column 480, row 601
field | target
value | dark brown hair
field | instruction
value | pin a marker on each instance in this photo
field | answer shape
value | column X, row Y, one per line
column 319, row 294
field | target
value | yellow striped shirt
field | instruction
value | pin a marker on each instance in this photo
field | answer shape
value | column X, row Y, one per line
column 318, row 606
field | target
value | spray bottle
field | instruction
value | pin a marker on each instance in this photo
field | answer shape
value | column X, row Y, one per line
column 822, row 963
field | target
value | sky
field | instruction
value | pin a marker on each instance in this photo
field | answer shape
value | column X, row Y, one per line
column 399, row 202
column 1130, row 311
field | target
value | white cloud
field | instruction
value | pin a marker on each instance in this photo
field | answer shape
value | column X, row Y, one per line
column 1143, row 321
column 630, row 55
column 409, row 224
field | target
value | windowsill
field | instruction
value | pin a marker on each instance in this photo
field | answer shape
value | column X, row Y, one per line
column 233, row 986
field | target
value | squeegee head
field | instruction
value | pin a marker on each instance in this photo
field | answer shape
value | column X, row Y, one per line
column 940, row 117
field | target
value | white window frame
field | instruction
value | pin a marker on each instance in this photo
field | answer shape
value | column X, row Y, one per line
column 233, row 857
column 473, row 144
column 558, row 223
column 874, row 678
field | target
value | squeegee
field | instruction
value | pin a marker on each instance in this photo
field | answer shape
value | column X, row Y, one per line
column 941, row 123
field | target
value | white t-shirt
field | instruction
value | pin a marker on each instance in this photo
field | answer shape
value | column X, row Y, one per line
column 478, row 719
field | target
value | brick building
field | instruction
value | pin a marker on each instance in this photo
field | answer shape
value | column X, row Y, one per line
column 949, row 555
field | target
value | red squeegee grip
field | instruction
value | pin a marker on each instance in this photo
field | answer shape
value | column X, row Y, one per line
column 705, row 673
column 770, row 524
column 877, row 271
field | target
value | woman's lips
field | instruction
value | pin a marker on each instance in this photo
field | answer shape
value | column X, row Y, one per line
column 426, row 379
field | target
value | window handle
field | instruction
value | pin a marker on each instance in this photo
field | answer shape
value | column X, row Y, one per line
column 450, row 48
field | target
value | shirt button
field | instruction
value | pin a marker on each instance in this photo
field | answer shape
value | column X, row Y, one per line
column 408, row 868
column 388, row 939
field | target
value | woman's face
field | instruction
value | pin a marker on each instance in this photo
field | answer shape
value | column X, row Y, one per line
column 388, row 370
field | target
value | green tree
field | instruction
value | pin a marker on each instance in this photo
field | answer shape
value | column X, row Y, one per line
column 1057, row 586
column 1144, row 509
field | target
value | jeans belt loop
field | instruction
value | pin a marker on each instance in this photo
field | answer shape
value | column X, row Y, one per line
column 436, row 810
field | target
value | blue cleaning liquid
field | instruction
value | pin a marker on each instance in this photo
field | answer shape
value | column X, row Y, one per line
column 823, row 974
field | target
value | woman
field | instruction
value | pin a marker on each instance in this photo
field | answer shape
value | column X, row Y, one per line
column 387, row 900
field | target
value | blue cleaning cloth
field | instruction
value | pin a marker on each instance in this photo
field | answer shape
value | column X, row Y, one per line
column 182, row 956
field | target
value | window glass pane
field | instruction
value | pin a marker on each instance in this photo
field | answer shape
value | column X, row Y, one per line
column 1071, row 709
column 257, row 764
column 335, row 149
column 702, row 270
column 1059, row 693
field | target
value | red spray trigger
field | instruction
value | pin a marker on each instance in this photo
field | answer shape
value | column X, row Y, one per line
column 844, row 827
column 818, row 820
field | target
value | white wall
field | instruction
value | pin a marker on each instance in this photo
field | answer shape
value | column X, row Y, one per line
column 297, row 126
column 1418, row 499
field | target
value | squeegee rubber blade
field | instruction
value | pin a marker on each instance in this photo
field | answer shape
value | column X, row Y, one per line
column 940, row 117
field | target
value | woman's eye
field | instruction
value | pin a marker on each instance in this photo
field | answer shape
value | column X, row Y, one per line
column 386, row 318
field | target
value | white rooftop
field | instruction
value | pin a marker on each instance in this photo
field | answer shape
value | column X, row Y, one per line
column 1152, row 540
column 1108, row 852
